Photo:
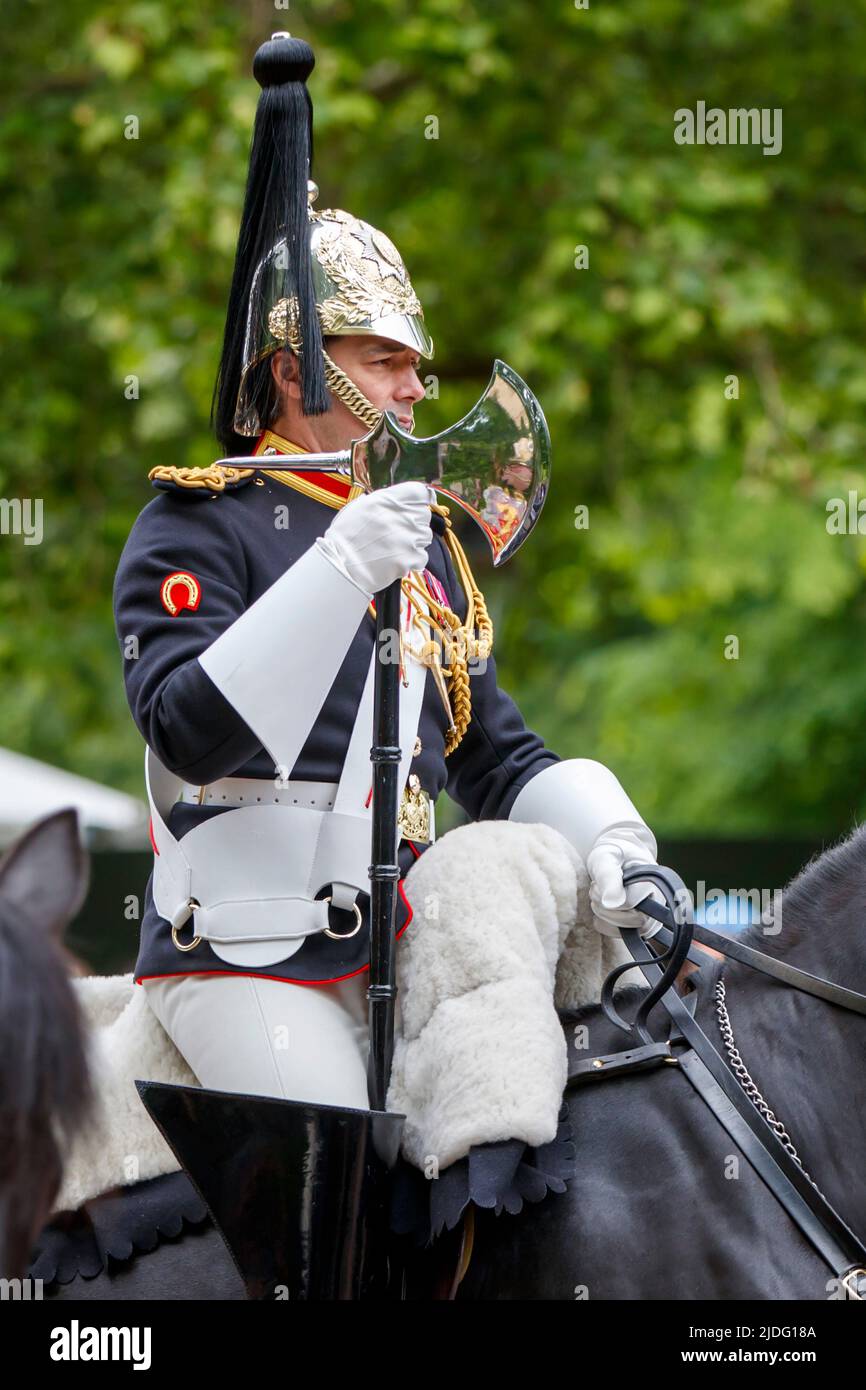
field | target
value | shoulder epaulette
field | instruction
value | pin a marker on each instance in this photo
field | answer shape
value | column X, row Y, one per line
column 203, row 481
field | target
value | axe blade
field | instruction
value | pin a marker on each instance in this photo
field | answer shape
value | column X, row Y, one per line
column 494, row 463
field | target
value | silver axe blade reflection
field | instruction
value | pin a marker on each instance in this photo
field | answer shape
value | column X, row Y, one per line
column 494, row 463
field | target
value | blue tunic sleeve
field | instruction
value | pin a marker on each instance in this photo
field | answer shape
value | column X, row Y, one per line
column 179, row 712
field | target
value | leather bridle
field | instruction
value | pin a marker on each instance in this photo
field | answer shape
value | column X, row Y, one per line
column 708, row 1071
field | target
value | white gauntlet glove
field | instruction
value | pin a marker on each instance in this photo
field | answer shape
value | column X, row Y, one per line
column 380, row 536
column 583, row 800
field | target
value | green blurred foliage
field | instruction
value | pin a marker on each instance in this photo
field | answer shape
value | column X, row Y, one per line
column 707, row 514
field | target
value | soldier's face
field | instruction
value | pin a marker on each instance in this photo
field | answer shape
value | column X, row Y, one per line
column 386, row 371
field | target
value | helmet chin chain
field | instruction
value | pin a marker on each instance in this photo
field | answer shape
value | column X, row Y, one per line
column 344, row 388
column 337, row 381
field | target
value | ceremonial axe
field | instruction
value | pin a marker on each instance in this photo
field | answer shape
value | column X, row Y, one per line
column 495, row 464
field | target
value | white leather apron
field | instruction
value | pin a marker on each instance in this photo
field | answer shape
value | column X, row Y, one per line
column 249, row 876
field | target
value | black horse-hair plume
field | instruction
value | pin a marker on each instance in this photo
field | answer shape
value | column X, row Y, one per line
column 275, row 206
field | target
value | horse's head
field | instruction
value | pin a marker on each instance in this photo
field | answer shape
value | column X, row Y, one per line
column 44, row 1089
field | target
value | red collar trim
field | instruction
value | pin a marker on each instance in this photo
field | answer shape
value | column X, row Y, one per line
column 335, row 487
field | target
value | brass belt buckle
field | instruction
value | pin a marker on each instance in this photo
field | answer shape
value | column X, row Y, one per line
column 413, row 818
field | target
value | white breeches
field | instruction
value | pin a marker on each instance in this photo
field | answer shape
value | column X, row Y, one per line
column 269, row 1037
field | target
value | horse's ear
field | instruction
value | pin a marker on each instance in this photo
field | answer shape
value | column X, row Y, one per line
column 45, row 874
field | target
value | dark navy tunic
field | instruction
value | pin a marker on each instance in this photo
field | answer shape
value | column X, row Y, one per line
column 234, row 545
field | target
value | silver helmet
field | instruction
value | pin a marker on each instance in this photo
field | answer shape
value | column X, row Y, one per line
column 361, row 285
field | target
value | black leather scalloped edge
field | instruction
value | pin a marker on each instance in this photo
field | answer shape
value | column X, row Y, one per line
column 117, row 1225
column 502, row 1175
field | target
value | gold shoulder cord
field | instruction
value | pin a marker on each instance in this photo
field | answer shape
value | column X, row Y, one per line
column 458, row 640
column 213, row 478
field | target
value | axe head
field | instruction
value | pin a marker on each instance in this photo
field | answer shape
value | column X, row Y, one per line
column 494, row 463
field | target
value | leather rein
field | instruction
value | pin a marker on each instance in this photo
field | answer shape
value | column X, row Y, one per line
column 707, row 1070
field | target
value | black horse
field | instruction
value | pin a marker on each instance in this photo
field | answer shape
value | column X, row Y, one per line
column 662, row 1204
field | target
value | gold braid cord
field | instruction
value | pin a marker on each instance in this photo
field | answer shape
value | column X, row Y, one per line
column 458, row 640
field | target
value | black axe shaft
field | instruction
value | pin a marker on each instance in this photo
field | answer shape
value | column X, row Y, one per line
column 385, row 756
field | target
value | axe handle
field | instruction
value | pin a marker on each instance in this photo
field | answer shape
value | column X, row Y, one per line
column 385, row 756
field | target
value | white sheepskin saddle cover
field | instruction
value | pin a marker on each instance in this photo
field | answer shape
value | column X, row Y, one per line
column 501, row 936
column 126, row 1041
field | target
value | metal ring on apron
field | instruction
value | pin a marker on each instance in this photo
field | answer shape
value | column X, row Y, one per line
column 192, row 904
column 345, row 935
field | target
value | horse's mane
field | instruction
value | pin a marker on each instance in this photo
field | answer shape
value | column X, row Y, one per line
column 832, row 879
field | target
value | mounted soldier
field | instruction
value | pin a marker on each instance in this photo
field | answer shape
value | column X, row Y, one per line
column 245, row 605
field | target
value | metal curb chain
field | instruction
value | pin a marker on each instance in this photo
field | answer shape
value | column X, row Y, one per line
column 738, row 1067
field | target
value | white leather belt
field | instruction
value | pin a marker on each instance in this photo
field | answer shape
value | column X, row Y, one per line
column 416, row 812
column 261, row 791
